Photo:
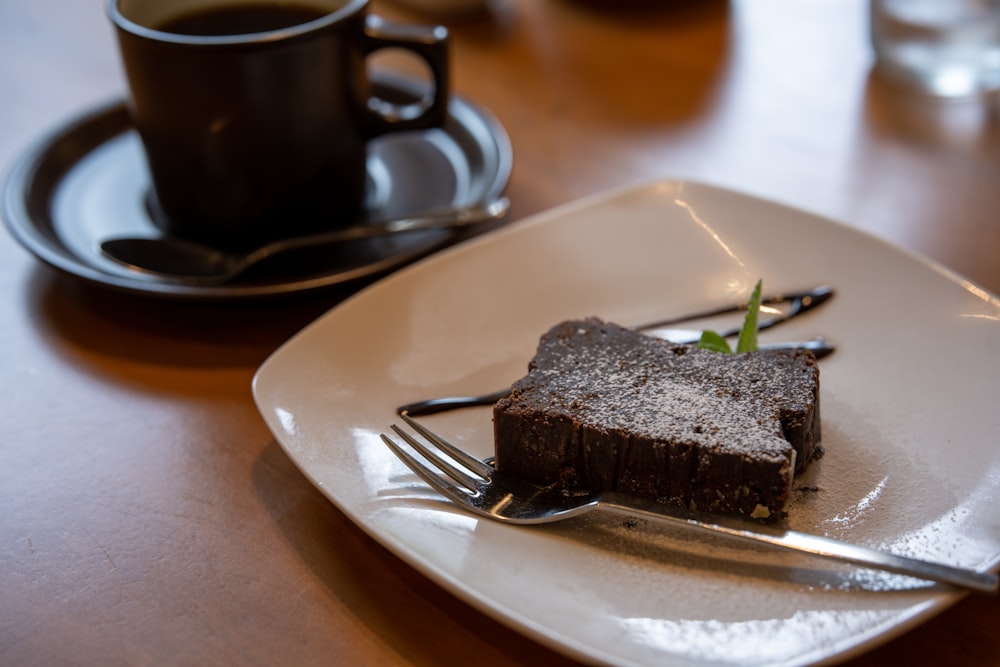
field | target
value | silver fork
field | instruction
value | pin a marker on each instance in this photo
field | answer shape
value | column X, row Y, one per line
column 479, row 488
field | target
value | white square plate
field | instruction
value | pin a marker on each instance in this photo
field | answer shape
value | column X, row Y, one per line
column 910, row 426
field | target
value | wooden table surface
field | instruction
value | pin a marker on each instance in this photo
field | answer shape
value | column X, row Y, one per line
column 147, row 516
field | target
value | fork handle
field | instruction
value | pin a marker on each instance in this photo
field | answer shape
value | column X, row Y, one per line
column 825, row 547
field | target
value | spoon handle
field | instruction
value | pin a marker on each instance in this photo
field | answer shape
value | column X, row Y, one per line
column 800, row 303
column 450, row 218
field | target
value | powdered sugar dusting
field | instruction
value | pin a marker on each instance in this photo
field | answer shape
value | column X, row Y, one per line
column 662, row 391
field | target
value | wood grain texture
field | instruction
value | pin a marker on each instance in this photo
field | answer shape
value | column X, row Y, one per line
column 148, row 517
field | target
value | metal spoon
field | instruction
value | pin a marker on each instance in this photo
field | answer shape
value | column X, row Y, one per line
column 195, row 263
column 799, row 303
column 432, row 406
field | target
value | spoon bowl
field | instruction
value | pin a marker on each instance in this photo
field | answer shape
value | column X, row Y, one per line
column 194, row 263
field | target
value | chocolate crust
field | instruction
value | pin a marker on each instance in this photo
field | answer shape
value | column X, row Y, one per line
column 606, row 408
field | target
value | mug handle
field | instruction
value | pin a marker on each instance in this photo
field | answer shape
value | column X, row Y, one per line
column 431, row 44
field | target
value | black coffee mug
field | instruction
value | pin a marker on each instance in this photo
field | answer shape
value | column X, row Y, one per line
column 255, row 114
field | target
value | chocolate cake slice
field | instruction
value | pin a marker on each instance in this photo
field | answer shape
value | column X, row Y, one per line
column 606, row 408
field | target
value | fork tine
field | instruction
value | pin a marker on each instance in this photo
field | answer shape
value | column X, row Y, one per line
column 440, row 484
column 470, row 462
column 437, row 460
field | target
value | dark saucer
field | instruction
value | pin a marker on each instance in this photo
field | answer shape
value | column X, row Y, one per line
column 87, row 182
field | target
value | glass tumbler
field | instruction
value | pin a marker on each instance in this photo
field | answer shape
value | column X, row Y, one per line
column 948, row 48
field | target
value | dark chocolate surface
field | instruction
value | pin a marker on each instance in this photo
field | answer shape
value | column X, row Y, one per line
column 604, row 407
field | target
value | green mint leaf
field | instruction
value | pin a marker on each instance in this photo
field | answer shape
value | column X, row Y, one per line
column 748, row 334
column 711, row 340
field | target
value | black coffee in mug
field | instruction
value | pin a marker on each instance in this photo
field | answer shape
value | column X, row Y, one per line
column 240, row 19
column 255, row 116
